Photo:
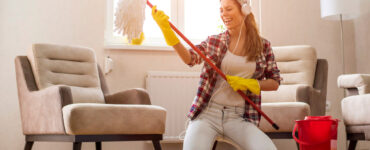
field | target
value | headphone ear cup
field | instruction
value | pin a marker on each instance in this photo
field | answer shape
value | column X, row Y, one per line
column 246, row 9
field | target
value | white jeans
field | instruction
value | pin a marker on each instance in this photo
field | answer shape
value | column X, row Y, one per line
column 217, row 120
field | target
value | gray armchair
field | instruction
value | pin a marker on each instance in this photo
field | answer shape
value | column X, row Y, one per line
column 355, row 107
column 63, row 97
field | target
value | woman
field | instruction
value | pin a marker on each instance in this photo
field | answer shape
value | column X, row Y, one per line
column 249, row 63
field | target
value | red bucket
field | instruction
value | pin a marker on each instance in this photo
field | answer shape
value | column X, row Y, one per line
column 316, row 133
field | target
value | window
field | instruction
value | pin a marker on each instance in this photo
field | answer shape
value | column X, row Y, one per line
column 191, row 17
column 202, row 18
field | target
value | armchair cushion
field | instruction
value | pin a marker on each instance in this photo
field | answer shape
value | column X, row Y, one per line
column 288, row 112
column 297, row 64
column 359, row 81
column 131, row 96
column 66, row 65
column 355, row 110
column 89, row 118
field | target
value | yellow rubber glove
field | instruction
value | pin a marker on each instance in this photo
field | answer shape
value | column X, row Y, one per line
column 138, row 41
column 238, row 83
column 162, row 20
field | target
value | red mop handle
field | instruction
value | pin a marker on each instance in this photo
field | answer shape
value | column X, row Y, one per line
column 219, row 72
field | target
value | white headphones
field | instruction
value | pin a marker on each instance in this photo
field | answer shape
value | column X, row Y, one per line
column 246, row 6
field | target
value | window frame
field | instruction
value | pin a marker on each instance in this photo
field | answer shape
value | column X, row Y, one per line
column 113, row 42
column 177, row 19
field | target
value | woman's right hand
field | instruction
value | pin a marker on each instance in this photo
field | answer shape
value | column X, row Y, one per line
column 162, row 20
column 171, row 39
column 239, row 83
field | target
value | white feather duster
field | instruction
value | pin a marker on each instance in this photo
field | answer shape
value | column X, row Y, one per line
column 130, row 16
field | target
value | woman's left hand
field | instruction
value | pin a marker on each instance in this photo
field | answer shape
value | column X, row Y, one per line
column 239, row 83
column 138, row 41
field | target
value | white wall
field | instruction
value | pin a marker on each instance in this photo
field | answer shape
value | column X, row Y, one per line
column 362, row 37
column 23, row 22
column 81, row 22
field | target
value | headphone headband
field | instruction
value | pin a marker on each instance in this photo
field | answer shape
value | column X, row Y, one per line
column 246, row 6
column 242, row 2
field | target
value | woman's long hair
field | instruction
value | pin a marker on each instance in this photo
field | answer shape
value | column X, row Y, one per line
column 253, row 40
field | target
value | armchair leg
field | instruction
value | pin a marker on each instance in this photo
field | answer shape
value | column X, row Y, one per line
column 297, row 145
column 77, row 145
column 214, row 145
column 28, row 146
column 157, row 145
column 98, row 145
column 352, row 144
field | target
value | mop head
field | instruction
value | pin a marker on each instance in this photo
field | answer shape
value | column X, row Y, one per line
column 130, row 16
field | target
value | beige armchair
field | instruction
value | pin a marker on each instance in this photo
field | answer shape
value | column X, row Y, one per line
column 63, row 97
column 355, row 107
column 301, row 93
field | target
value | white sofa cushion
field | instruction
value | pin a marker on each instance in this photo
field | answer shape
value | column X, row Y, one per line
column 355, row 110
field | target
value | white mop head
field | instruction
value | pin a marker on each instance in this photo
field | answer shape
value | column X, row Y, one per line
column 130, row 16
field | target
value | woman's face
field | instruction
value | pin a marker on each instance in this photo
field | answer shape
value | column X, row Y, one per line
column 231, row 14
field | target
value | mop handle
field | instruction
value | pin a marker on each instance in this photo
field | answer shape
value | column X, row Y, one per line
column 219, row 72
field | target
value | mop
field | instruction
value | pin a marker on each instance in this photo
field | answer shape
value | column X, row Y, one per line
column 130, row 16
column 125, row 22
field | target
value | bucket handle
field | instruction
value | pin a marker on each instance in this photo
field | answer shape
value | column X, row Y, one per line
column 303, row 142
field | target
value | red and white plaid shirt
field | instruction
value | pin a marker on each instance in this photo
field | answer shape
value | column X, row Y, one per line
column 215, row 48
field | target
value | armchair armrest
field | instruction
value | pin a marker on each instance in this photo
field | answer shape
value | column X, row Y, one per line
column 298, row 93
column 359, row 81
column 288, row 93
column 313, row 97
column 41, row 110
column 131, row 96
column 304, row 93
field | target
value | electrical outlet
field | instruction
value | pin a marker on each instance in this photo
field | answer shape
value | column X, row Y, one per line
column 327, row 106
column 108, row 66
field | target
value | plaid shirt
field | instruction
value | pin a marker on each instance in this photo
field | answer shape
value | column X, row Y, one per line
column 215, row 48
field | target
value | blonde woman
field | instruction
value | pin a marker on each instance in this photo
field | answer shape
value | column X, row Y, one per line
column 247, row 60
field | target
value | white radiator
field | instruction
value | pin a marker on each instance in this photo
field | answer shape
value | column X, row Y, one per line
column 175, row 92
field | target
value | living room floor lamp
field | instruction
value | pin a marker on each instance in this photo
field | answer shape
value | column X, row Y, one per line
column 340, row 10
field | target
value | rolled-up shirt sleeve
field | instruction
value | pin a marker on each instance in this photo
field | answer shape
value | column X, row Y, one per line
column 271, row 71
column 195, row 57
